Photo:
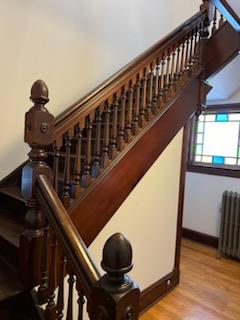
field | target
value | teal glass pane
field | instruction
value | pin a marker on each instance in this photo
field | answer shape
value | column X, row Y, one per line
column 198, row 148
column 238, row 154
column 221, row 117
column 218, row 160
column 200, row 127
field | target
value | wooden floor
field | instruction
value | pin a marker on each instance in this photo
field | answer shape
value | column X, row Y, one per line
column 209, row 288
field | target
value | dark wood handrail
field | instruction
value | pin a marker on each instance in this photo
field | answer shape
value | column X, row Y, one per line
column 228, row 12
column 83, row 106
column 67, row 235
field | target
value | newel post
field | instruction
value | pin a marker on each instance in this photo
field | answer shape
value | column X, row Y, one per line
column 39, row 132
column 115, row 296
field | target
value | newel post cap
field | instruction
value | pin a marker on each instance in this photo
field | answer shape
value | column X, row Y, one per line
column 39, row 92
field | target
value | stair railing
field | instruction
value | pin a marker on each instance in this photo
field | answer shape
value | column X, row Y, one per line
column 51, row 247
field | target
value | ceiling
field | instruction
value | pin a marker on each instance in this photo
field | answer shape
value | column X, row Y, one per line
column 226, row 82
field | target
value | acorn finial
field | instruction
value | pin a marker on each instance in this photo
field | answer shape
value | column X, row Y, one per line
column 39, row 92
column 117, row 255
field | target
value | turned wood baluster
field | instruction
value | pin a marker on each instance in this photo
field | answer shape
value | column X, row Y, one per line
column 221, row 21
column 171, row 77
column 182, row 60
column 71, row 281
column 149, row 113
column 142, row 120
column 166, row 77
column 60, row 299
column 214, row 25
column 86, row 178
column 43, row 288
column 135, row 127
column 105, row 156
column 156, row 88
column 80, row 300
column 113, row 140
column 78, row 164
column 195, row 44
column 190, row 58
column 128, row 130
column 186, row 56
column 66, row 184
column 97, row 146
column 121, row 134
column 177, row 67
column 51, row 305
column 161, row 102
column 57, row 148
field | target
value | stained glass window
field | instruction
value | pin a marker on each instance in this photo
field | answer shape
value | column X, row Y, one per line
column 217, row 139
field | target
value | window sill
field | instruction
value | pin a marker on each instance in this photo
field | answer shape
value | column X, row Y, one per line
column 217, row 171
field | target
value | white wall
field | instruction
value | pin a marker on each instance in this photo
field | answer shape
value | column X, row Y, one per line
column 73, row 45
column 203, row 195
column 148, row 218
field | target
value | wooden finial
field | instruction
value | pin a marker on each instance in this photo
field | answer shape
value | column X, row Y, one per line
column 39, row 92
column 117, row 255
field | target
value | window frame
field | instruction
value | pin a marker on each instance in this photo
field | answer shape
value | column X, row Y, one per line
column 208, row 168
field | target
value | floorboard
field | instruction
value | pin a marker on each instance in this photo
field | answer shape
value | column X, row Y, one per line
column 209, row 288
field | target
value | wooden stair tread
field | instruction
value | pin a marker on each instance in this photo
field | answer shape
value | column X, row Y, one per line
column 10, row 227
column 10, row 286
column 12, row 191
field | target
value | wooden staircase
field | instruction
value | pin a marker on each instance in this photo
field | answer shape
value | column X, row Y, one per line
column 120, row 127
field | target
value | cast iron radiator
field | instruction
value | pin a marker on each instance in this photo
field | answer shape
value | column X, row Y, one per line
column 229, row 237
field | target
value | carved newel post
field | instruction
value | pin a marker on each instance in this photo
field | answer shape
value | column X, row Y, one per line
column 39, row 132
column 115, row 296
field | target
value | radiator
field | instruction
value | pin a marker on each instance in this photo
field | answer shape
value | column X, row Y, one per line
column 229, row 237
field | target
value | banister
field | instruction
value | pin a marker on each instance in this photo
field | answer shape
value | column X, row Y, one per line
column 227, row 11
column 88, row 103
column 67, row 235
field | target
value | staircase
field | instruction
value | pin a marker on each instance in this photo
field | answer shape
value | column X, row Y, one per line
column 86, row 153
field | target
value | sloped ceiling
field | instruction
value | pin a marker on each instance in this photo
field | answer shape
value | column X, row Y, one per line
column 227, row 82
column 235, row 4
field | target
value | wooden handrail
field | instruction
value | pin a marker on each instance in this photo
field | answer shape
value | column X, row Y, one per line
column 67, row 235
column 227, row 11
column 88, row 103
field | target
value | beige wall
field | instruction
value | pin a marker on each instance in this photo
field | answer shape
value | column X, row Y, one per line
column 148, row 218
column 73, row 45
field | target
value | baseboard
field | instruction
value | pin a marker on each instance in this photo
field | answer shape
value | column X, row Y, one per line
column 200, row 237
column 158, row 290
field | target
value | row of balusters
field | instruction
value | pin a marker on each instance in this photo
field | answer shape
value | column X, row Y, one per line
column 217, row 22
column 86, row 149
column 51, row 295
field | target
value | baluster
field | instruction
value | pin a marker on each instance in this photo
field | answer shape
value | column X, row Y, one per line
column 166, row 78
column 162, row 82
column 105, row 156
column 57, row 148
column 80, row 300
column 121, row 134
column 214, row 26
column 86, row 177
column 43, row 288
column 177, row 68
column 142, row 120
column 182, row 60
column 51, row 305
column 77, row 164
column 60, row 300
column 128, row 130
column 171, row 77
column 66, row 184
column 190, row 58
column 221, row 21
column 71, row 281
column 150, row 95
column 156, row 87
column 186, row 56
column 97, row 147
column 135, row 127
column 113, row 140
column 195, row 56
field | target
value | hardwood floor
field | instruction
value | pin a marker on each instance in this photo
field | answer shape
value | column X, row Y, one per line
column 209, row 288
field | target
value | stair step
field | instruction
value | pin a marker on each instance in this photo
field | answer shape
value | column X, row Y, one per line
column 10, row 286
